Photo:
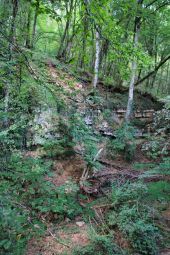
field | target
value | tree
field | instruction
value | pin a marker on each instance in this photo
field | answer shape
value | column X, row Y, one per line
column 97, row 60
column 37, row 5
column 134, row 62
column 65, row 37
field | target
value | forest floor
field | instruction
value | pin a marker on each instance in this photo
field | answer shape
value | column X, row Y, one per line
column 63, row 238
column 75, row 233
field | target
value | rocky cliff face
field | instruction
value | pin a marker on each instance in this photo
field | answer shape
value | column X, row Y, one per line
column 102, row 111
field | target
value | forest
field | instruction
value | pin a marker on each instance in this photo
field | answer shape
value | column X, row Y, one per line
column 85, row 127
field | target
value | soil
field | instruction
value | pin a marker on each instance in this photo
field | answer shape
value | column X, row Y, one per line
column 64, row 241
column 67, row 169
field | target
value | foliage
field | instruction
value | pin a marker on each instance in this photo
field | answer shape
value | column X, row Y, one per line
column 16, row 229
column 156, row 147
column 30, row 32
column 159, row 191
column 84, row 136
column 58, row 148
column 162, row 121
column 124, row 142
column 163, row 168
column 133, row 217
column 143, row 235
column 166, row 101
column 25, row 195
column 100, row 245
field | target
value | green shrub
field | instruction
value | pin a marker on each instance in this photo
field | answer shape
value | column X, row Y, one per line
column 100, row 245
column 161, row 123
column 25, row 195
column 162, row 168
column 133, row 218
column 83, row 136
column 58, row 148
column 155, row 147
column 124, row 143
column 159, row 191
column 136, row 225
column 128, row 192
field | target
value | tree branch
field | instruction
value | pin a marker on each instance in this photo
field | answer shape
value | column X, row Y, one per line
column 162, row 62
column 154, row 1
column 162, row 5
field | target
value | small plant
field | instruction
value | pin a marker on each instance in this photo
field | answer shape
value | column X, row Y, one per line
column 159, row 191
column 161, row 122
column 124, row 142
column 155, row 147
column 100, row 245
column 58, row 148
column 133, row 218
column 83, row 136
column 135, row 224
column 162, row 168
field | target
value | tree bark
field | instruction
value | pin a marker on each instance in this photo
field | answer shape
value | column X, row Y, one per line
column 12, row 40
column 63, row 45
column 28, row 28
column 13, row 25
column 85, row 21
column 97, row 60
column 134, row 63
column 35, row 23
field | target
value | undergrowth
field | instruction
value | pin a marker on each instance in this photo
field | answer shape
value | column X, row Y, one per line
column 26, row 198
column 100, row 245
column 129, row 214
column 124, row 143
column 134, row 218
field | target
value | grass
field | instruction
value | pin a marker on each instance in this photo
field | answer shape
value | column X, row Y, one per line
column 159, row 191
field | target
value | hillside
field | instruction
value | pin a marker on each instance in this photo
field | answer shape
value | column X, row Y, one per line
column 70, row 165
column 84, row 127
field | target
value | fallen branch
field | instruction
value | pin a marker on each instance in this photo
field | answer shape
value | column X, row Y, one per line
column 103, row 178
column 97, row 155
column 85, row 173
column 58, row 240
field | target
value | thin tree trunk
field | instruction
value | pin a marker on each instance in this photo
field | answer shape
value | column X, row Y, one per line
column 63, row 45
column 69, row 41
column 103, row 55
column 6, row 105
column 12, row 30
column 28, row 28
column 134, row 65
column 35, row 23
column 12, row 39
column 153, row 80
column 85, row 32
column 167, row 80
column 97, row 60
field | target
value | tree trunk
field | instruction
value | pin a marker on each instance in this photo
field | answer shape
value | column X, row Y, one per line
column 35, row 23
column 28, row 28
column 134, row 64
column 12, row 30
column 85, row 33
column 63, row 45
column 97, row 60
column 67, row 53
column 167, row 80
column 12, row 40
